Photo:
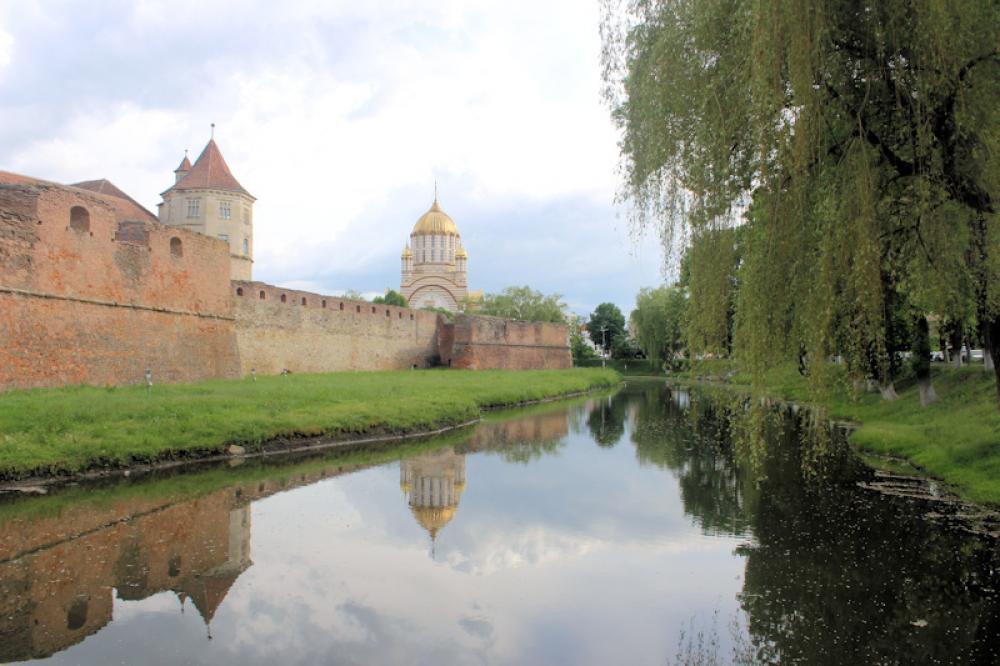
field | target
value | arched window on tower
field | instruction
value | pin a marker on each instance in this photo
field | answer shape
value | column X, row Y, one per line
column 79, row 219
column 176, row 247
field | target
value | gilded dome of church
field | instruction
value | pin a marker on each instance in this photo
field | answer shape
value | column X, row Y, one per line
column 435, row 222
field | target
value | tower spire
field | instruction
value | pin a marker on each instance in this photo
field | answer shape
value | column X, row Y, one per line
column 213, row 131
column 435, row 190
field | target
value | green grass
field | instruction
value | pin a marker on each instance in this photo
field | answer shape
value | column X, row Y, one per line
column 956, row 440
column 632, row 368
column 67, row 430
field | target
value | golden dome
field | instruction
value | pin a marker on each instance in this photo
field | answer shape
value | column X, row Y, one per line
column 435, row 222
column 407, row 253
column 461, row 254
column 433, row 518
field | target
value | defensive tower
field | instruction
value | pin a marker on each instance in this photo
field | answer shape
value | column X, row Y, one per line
column 207, row 198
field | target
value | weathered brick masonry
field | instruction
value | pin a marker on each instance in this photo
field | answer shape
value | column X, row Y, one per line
column 92, row 293
column 301, row 331
column 490, row 342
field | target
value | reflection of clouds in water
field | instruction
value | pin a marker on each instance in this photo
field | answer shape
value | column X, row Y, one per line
column 477, row 627
column 534, row 546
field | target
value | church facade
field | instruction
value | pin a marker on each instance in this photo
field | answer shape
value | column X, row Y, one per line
column 434, row 263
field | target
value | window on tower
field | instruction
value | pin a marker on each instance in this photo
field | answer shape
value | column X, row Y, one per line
column 225, row 210
column 194, row 207
column 246, row 246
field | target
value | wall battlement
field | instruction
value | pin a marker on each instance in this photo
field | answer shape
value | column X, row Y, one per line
column 91, row 293
column 302, row 331
column 94, row 291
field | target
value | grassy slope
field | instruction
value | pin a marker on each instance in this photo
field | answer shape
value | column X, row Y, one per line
column 956, row 440
column 66, row 430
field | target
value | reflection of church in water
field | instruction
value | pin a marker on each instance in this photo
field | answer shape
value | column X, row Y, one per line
column 433, row 484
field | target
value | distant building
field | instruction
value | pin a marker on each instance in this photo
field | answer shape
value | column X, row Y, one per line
column 434, row 263
column 207, row 198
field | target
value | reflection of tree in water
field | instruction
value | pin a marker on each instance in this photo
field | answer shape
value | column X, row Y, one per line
column 846, row 575
column 523, row 439
column 606, row 420
column 695, row 444
column 835, row 573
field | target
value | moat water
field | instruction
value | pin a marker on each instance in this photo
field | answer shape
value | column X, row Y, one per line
column 651, row 526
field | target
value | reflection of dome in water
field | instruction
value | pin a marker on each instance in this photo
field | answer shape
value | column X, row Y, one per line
column 433, row 484
column 432, row 518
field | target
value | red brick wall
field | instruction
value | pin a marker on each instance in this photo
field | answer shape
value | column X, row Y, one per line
column 80, row 307
column 100, row 306
column 488, row 342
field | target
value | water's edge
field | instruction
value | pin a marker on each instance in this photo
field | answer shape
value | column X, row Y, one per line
column 276, row 446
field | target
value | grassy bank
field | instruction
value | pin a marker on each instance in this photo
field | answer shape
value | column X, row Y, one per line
column 632, row 368
column 956, row 440
column 72, row 429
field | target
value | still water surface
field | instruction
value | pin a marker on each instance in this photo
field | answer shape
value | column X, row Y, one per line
column 638, row 528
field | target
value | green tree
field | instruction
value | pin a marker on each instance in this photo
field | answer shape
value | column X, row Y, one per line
column 659, row 319
column 606, row 323
column 446, row 313
column 578, row 345
column 391, row 297
column 524, row 304
column 861, row 139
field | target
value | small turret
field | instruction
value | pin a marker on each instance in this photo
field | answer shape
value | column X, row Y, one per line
column 407, row 259
column 183, row 169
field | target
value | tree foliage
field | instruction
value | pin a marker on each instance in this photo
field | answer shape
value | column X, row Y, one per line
column 659, row 319
column 578, row 345
column 525, row 304
column 855, row 141
column 608, row 317
column 391, row 297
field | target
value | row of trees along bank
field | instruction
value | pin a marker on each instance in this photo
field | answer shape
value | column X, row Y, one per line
column 833, row 167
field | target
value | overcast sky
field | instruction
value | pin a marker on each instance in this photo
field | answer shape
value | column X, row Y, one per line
column 338, row 117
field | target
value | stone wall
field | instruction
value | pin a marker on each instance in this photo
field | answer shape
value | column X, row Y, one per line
column 481, row 343
column 89, row 296
column 92, row 292
column 300, row 331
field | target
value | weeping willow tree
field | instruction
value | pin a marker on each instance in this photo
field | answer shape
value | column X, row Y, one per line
column 856, row 142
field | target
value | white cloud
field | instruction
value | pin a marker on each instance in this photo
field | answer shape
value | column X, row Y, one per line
column 6, row 48
column 338, row 117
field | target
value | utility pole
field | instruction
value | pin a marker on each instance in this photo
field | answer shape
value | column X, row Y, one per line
column 604, row 344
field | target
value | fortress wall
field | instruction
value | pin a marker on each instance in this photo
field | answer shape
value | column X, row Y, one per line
column 328, row 333
column 99, row 303
column 489, row 342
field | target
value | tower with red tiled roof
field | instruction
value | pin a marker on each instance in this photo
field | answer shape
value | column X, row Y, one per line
column 207, row 198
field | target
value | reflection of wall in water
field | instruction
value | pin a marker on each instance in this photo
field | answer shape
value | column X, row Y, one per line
column 433, row 484
column 537, row 428
column 58, row 572
column 53, row 598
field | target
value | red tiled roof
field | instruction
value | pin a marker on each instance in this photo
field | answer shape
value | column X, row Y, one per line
column 135, row 211
column 210, row 171
column 185, row 164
